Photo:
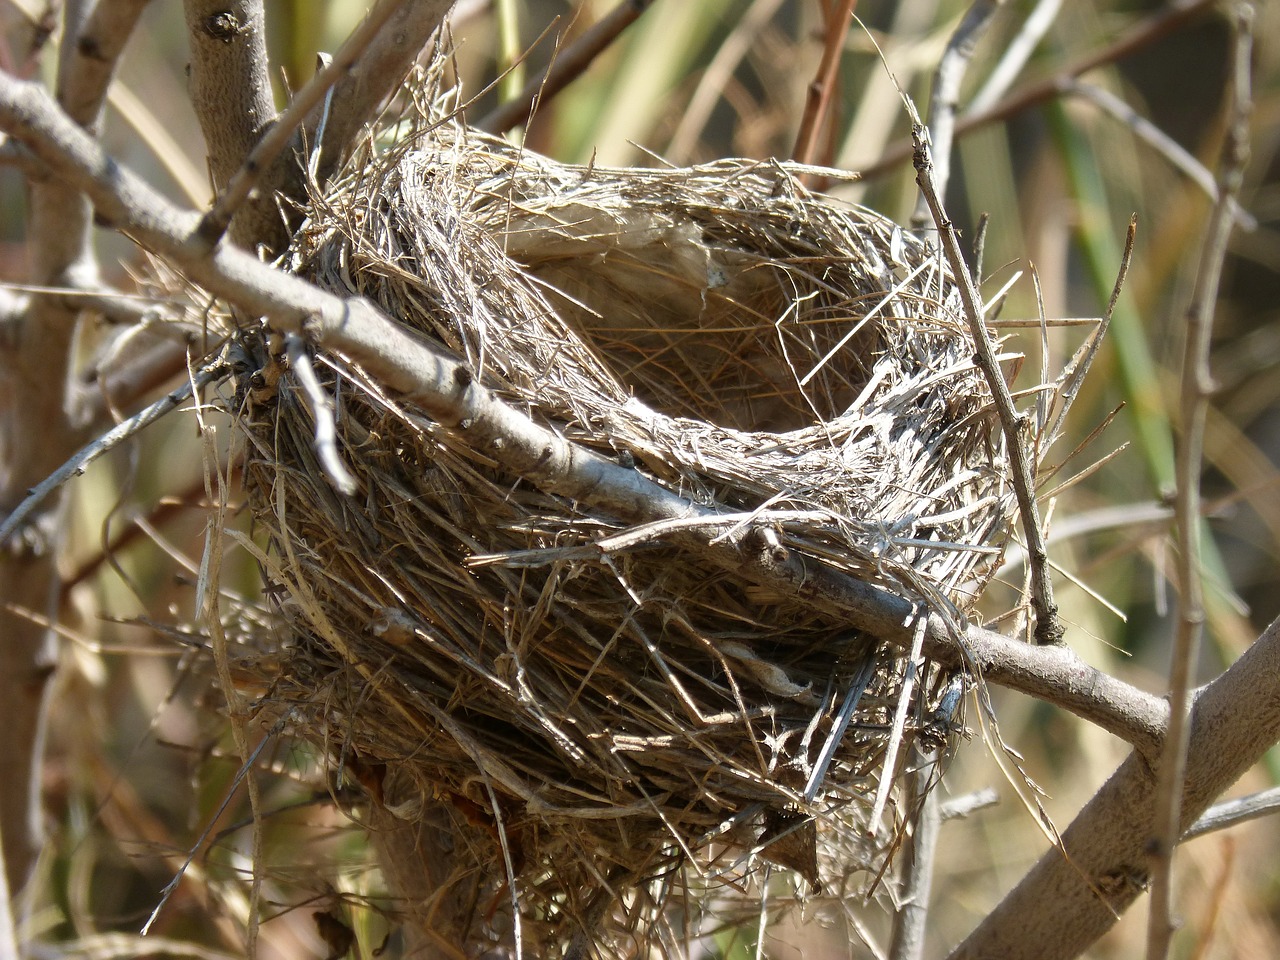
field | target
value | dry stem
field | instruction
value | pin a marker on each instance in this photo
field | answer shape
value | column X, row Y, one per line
column 1197, row 385
column 1048, row 629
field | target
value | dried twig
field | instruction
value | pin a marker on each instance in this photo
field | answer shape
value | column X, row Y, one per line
column 1144, row 33
column 569, row 64
column 918, row 860
column 967, row 804
column 1048, row 630
column 101, row 445
column 945, row 96
column 1016, row 54
column 818, row 98
column 1197, row 385
column 326, row 441
column 1178, row 156
column 1230, row 813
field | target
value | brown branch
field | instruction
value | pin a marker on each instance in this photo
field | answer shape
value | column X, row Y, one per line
column 818, row 97
column 35, row 432
column 569, row 64
column 1197, row 385
column 1048, row 628
column 1072, row 896
column 281, row 133
column 447, row 391
column 231, row 93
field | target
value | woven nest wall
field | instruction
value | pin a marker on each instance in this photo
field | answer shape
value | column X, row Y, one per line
column 593, row 711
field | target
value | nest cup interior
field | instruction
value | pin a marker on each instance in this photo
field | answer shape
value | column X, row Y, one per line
column 463, row 647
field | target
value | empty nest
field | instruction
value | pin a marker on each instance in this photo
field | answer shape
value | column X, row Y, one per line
column 592, row 712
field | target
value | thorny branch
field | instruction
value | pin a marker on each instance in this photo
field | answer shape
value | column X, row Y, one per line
column 1197, row 385
column 448, row 392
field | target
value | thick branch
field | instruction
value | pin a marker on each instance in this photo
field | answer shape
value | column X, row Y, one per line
column 373, row 78
column 1063, row 905
column 446, row 390
column 231, row 93
column 95, row 53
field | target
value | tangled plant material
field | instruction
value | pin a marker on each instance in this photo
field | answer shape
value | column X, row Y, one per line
column 597, row 717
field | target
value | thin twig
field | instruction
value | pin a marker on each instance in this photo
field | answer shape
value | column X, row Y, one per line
column 910, row 667
column 917, row 867
column 102, row 445
column 322, row 413
column 818, row 98
column 1048, row 630
column 1197, row 385
column 368, row 83
column 945, row 96
column 1231, row 813
column 569, row 64
column 968, row 804
column 1016, row 54
column 447, row 391
column 282, row 132
column 1178, row 156
column 1143, row 34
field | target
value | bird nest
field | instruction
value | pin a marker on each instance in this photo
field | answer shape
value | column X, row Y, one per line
column 589, row 707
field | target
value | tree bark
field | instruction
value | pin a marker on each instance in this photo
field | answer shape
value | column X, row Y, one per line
column 231, row 93
column 1072, row 896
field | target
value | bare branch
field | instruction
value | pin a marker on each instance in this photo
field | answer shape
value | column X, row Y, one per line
column 1177, row 155
column 35, row 361
column 969, row 803
column 99, row 446
column 1017, row 52
column 1197, row 385
column 1147, row 31
column 945, row 96
column 918, row 860
column 1048, row 629
column 568, row 65
column 373, row 77
column 447, row 391
column 95, row 52
column 231, row 93
column 1230, row 813
column 822, row 89
column 265, row 152
column 1103, row 864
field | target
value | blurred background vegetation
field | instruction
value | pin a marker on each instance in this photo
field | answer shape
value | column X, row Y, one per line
column 141, row 763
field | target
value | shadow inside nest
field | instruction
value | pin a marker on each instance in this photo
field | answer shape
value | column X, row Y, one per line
column 598, row 729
